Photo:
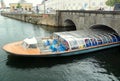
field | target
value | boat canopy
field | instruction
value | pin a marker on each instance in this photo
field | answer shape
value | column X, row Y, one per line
column 30, row 40
column 82, row 39
column 30, row 43
column 71, row 39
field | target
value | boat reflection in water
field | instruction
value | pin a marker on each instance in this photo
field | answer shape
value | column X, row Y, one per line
column 64, row 44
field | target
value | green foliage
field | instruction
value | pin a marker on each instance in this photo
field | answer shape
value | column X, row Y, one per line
column 112, row 2
column 19, row 6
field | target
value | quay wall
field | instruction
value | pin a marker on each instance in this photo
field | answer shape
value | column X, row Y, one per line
column 40, row 19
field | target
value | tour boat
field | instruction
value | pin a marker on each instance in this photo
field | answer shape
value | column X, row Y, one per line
column 63, row 44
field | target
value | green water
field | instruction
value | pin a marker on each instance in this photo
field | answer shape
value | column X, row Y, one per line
column 97, row 66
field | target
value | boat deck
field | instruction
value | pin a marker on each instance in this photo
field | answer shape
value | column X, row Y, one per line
column 17, row 48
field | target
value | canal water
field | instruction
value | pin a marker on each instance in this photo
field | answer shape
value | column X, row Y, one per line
column 97, row 66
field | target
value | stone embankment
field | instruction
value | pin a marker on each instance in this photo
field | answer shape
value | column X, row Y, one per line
column 40, row 19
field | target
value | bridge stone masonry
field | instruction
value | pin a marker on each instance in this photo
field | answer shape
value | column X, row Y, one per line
column 88, row 19
column 72, row 18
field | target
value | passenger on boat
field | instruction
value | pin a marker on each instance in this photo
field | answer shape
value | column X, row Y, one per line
column 118, row 37
column 53, row 48
column 47, row 43
column 61, row 47
column 57, row 47
column 55, row 41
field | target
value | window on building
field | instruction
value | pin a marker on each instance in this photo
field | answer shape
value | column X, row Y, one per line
column 22, row 9
column 13, row 7
column 93, row 4
column 25, row 8
column 101, row 3
column 29, row 9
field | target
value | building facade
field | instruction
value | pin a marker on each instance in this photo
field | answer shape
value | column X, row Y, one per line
column 2, row 4
column 21, row 7
column 73, row 5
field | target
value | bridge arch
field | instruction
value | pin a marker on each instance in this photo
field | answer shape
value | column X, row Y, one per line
column 70, row 23
column 84, row 19
column 105, row 28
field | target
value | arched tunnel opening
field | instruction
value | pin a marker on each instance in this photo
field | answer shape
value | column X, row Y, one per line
column 104, row 33
column 103, row 28
column 70, row 24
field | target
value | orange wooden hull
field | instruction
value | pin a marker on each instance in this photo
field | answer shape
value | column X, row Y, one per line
column 17, row 48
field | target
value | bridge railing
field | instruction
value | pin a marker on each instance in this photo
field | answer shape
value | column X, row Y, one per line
column 90, row 11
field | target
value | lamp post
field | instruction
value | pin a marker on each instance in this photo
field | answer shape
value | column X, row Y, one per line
column 2, row 4
column 44, row 5
column 89, row 4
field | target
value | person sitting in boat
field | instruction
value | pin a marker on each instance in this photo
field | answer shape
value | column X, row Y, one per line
column 61, row 47
column 118, row 37
column 55, row 41
column 53, row 48
column 47, row 43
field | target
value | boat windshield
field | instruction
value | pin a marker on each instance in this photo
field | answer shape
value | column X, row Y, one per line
column 32, row 46
column 26, row 45
column 29, row 43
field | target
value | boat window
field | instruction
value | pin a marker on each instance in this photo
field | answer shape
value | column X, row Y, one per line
column 99, row 41
column 55, row 36
column 32, row 46
column 114, row 39
column 25, row 45
column 118, row 37
column 94, row 42
column 81, row 42
column 47, row 43
column 110, row 38
column 55, row 41
column 66, row 45
column 104, row 38
column 73, row 44
column 88, row 43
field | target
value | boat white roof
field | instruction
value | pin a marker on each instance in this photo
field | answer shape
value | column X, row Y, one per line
column 74, row 38
column 30, row 40
column 72, row 34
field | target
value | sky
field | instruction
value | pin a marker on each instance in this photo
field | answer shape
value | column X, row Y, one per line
column 15, row 1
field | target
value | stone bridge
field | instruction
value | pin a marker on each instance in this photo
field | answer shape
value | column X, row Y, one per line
column 105, row 20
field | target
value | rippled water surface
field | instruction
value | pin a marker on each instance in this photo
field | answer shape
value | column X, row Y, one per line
column 97, row 66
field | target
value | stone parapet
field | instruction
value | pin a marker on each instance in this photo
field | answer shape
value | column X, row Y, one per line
column 40, row 19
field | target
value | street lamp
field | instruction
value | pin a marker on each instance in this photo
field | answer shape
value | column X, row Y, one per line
column 43, row 2
column 44, row 8
column 89, row 4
